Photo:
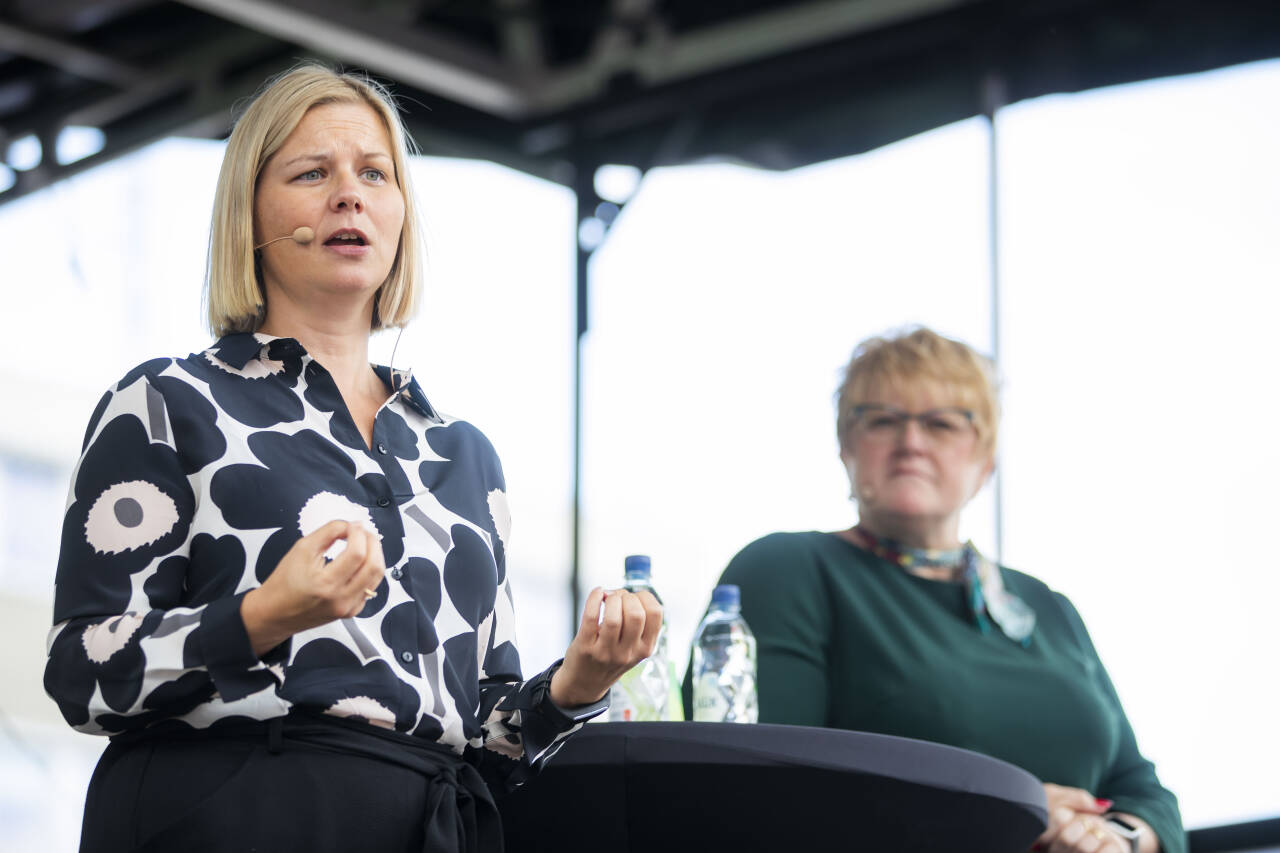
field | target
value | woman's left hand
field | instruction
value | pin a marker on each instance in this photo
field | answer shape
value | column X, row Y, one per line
column 1086, row 833
column 1077, row 825
column 609, row 642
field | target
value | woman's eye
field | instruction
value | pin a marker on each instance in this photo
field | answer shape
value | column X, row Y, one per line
column 882, row 422
column 941, row 425
column 374, row 175
column 310, row 175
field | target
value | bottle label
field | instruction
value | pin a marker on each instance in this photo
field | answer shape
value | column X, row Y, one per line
column 649, row 691
column 640, row 695
column 709, row 703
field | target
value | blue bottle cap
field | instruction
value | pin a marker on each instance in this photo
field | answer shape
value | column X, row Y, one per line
column 727, row 596
column 637, row 566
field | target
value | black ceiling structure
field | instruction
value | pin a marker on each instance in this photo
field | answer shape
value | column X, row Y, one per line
column 547, row 85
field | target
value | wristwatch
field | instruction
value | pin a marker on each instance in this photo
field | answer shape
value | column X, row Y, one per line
column 1126, row 830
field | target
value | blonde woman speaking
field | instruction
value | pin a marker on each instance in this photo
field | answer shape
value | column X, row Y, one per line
column 282, row 588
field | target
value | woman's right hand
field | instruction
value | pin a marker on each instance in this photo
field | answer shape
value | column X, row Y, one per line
column 305, row 590
column 618, row 630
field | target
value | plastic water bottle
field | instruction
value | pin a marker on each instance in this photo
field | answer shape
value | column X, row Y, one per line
column 649, row 690
column 724, row 663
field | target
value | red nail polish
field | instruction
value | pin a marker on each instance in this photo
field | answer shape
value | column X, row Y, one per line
column 1103, row 804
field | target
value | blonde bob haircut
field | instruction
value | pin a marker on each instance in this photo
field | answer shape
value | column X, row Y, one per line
column 914, row 357
column 233, row 287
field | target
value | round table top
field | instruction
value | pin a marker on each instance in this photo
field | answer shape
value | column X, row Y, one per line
column 718, row 786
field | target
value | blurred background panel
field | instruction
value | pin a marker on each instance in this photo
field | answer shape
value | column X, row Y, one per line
column 656, row 231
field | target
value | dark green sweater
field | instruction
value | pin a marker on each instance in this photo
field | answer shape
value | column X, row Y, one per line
column 850, row 641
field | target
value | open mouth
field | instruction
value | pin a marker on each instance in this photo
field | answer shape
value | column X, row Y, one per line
column 346, row 238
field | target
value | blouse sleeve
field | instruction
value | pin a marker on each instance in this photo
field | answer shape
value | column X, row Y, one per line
column 123, row 652
column 523, row 728
column 1131, row 781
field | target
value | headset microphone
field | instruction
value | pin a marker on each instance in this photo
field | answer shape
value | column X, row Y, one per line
column 302, row 235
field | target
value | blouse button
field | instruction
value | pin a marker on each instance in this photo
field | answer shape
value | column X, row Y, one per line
column 384, row 501
column 382, row 448
column 396, row 573
column 407, row 657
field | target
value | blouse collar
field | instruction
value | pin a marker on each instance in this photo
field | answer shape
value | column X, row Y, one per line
column 240, row 348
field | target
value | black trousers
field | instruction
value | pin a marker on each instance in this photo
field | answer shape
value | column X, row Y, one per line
column 306, row 782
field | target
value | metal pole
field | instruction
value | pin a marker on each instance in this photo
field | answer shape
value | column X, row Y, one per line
column 994, row 96
column 584, row 191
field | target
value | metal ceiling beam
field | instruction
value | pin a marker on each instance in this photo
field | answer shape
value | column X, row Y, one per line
column 521, row 36
column 615, row 39
column 519, row 88
column 419, row 58
column 72, row 58
column 207, row 113
column 661, row 58
column 70, row 16
column 201, row 62
column 104, row 108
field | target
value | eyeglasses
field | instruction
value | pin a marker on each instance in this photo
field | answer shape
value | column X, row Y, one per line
column 944, row 425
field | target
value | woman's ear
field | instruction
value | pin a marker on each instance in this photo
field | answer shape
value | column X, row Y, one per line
column 988, row 470
column 847, row 458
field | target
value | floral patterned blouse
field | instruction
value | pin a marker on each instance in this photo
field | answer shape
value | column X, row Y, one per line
column 199, row 474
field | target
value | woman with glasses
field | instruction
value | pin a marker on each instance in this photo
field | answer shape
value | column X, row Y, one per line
column 896, row 626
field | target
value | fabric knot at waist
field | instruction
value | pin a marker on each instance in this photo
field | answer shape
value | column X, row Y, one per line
column 459, row 815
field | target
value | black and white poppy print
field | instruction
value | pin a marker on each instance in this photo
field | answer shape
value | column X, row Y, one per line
column 129, row 515
column 420, row 579
column 369, row 690
column 193, row 420
column 105, row 640
column 131, row 503
column 203, row 572
column 323, row 394
column 179, row 414
column 410, row 633
column 258, row 394
column 163, row 702
column 400, row 439
column 470, row 576
column 150, row 369
column 196, row 478
column 169, row 577
column 460, row 459
column 110, row 646
column 302, row 482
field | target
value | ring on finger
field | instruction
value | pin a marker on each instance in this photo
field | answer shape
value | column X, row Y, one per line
column 1096, row 832
column 369, row 593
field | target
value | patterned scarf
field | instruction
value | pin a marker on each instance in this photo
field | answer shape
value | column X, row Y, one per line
column 985, row 594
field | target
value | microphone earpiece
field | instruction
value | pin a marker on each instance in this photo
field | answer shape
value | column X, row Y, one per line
column 302, row 235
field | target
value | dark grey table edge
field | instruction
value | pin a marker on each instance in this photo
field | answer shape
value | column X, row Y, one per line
column 715, row 786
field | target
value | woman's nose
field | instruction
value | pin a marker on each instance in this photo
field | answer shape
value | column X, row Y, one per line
column 912, row 435
column 347, row 195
